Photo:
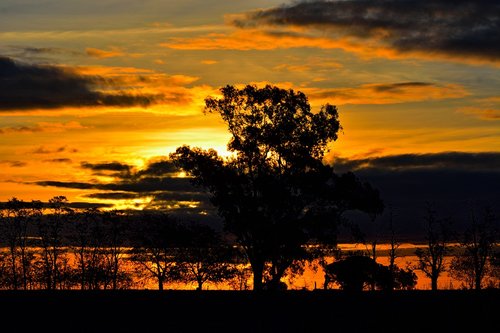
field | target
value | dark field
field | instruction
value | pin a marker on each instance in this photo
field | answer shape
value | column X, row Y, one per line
column 221, row 311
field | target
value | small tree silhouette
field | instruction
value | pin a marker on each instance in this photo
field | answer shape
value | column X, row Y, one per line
column 431, row 258
column 155, row 242
column 473, row 265
column 205, row 257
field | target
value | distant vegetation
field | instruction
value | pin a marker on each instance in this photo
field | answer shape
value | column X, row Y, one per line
column 52, row 246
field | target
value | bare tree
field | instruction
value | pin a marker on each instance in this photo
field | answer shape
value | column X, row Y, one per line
column 154, row 247
column 472, row 265
column 17, row 217
column 88, row 240
column 394, row 245
column 205, row 257
column 50, row 233
column 431, row 258
column 114, row 255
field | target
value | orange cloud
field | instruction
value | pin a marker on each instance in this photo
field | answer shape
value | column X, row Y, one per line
column 315, row 64
column 101, row 54
column 375, row 93
column 391, row 93
column 253, row 39
column 482, row 113
column 292, row 68
column 486, row 108
column 209, row 62
column 467, row 33
column 138, row 81
column 43, row 127
column 293, row 37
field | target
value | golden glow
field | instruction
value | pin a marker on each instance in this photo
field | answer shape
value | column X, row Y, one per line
column 389, row 102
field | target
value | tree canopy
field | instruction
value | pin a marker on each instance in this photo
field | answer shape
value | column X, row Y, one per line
column 276, row 181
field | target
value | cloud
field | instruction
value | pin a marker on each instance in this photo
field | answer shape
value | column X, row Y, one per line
column 209, row 62
column 484, row 108
column 462, row 161
column 169, row 89
column 376, row 93
column 158, row 183
column 102, row 54
column 44, row 50
column 114, row 195
column 75, row 205
column 58, row 160
column 43, row 127
column 14, row 164
column 39, row 53
column 28, row 86
column 482, row 113
column 159, row 168
column 253, row 39
column 453, row 29
column 386, row 93
column 74, row 185
column 43, row 150
column 106, row 166
column 315, row 64
column 452, row 181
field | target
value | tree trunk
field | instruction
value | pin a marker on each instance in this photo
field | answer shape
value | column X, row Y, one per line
column 258, row 269
column 477, row 281
column 13, row 268
column 434, row 282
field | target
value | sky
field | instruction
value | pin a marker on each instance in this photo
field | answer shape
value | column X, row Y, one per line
column 95, row 94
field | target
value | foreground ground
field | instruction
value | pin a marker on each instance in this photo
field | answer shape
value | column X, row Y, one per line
column 222, row 311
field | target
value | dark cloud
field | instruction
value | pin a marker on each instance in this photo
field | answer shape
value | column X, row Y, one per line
column 58, row 160
column 75, row 205
column 460, row 161
column 141, row 185
column 27, row 86
column 76, row 185
column 21, row 129
column 397, row 87
column 159, row 168
column 454, row 182
column 114, row 195
column 456, row 28
column 27, row 51
column 107, row 166
column 198, row 196
column 87, row 205
column 157, row 181
column 14, row 164
column 43, row 150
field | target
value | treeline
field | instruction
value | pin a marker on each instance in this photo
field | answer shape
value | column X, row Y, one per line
column 54, row 246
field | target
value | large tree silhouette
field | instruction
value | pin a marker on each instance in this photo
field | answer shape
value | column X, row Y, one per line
column 266, row 192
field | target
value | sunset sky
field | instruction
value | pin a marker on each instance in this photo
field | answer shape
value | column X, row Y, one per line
column 94, row 94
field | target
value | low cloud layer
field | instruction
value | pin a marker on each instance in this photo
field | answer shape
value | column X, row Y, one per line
column 387, row 93
column 458, row 161
column 30, row 86
column 158, row 182
column 454, row 182
column 466, row 29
